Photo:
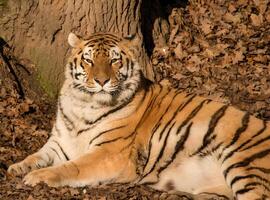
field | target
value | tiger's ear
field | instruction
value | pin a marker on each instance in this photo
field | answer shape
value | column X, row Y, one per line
column 132, row 39
column 132, row 43
column 74, row 40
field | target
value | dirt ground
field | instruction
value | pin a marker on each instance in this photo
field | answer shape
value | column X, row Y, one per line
column 218, row 49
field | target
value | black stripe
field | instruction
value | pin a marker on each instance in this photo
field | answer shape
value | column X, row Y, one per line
column 239, row 178
column 212, row 150
column 264, row 170
column 260, row 184
column 81, row 65
column 75, row 61
column 256, row 135
column 76, row 85
column 148, row 110
column 131, row 68
column 257, row 143
column 65, row 155
column 127, row 66
column 56, row 153
column 216, row 147
column 159, row 123
column 163, row 97
column 129, row 144
column 50, row 159
column 262, row 130
column 248, row 141
column 113, row 140
column 178, row 147
column 104, row 132
column 239, row 131
column 109, row 141
column 71, row 69
column 77, row 74
column 246, row 161
column 111, row 111
column 243, row 191
column 211, row 127
column 230, row 154
column 161, row 151
column 192, row 115
column 90, row 45
column 172, row 118
column 84, row 130
column 65, row 117
column 181, row 107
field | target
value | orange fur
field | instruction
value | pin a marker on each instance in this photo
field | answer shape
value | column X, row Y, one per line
column 154, row 135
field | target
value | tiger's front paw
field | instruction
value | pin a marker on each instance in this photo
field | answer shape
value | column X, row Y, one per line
column 29, row 164
column 49, row 175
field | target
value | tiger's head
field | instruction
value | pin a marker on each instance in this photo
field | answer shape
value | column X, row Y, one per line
column 103, row 67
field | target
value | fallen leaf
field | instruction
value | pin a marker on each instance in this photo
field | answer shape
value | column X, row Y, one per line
column 228, row 17
column 256, row 20
column 206, row 26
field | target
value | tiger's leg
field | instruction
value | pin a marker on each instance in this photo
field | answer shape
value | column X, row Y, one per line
column 50, row 154
column 93, row 168
column 246, row 169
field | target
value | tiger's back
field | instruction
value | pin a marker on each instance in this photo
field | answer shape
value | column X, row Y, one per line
column 192, row 136
column 113, row 125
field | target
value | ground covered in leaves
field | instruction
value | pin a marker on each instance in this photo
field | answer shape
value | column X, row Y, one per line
column 219, row 49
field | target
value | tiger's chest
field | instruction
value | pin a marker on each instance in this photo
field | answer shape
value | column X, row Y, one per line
column 91, row 126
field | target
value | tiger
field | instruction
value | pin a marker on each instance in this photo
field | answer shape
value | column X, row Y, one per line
column 113, row 125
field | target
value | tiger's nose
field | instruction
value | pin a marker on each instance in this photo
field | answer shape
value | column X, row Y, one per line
column 102, row 81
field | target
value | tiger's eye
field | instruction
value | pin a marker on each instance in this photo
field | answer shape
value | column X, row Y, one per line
column 89, row 61
column 114, row 60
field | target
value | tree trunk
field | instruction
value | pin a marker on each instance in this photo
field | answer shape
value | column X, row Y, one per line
column 38, row 30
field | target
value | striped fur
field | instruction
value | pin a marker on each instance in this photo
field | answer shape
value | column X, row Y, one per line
column 113, row 125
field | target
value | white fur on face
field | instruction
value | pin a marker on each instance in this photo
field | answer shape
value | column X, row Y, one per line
column 88, row 53
column 115, row 53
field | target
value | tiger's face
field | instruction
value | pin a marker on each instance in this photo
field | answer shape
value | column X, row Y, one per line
column 103, row 67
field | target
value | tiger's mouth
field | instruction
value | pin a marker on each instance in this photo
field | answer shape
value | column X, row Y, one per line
column 112, row 92
column 106, row 98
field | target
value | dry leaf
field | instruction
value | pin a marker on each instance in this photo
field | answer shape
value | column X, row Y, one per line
column 256, row 20
column 206, row 26
column 238, row 57
column 262, row 4
column 179, row 53
column 228, row 17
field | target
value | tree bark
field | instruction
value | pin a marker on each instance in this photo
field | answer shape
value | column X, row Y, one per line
column 38, row 30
